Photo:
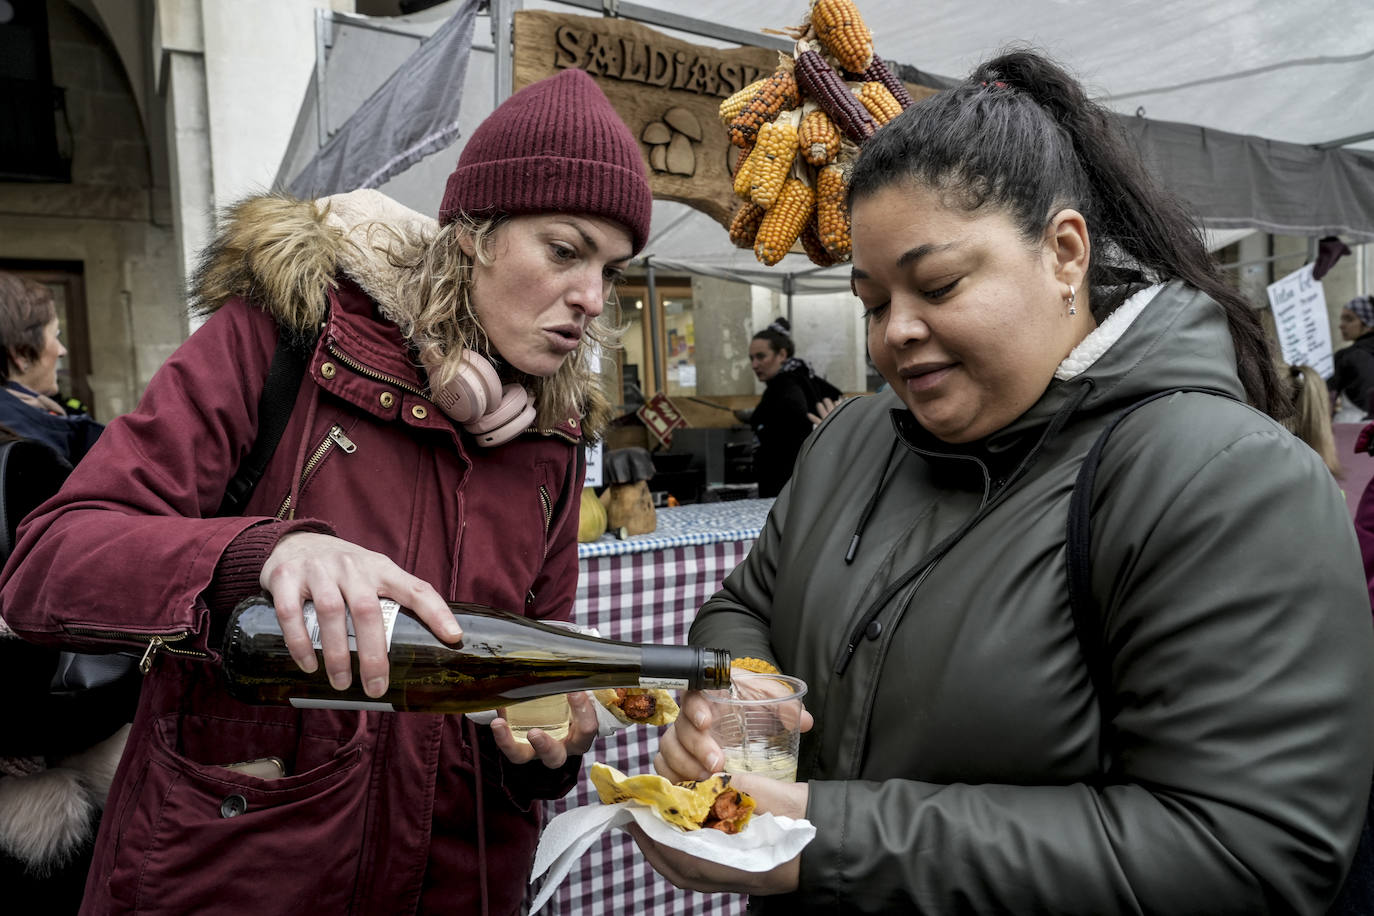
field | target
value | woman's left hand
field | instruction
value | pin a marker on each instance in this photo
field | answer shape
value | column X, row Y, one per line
column 690, row 873
column 823, row 408
column 582, row 728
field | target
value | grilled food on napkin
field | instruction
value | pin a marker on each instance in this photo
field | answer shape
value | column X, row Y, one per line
column 694, row 805
column 639, row 706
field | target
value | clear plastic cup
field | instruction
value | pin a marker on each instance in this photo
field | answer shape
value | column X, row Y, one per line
column 757, row 723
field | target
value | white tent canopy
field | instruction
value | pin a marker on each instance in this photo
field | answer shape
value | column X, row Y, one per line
column 1286, row 72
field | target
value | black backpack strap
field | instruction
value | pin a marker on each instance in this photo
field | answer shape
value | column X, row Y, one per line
column 1087, row 614
column 289, row 362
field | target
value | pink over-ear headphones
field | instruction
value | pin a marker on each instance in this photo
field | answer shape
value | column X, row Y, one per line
column 476, row 398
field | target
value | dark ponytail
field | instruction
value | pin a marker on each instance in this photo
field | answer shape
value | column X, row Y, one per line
column 1021, row 136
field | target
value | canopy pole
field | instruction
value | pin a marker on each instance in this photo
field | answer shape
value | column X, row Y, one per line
column 787, row 287
column 653, row 325
column 502, row 12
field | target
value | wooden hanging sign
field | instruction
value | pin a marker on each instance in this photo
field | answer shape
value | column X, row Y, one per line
column 668, row 91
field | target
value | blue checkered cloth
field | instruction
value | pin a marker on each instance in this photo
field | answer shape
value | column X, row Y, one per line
column 688, row 526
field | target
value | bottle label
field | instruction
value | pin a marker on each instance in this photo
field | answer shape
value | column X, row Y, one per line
column 666, row 683
column 308, row 703
column 389, row 610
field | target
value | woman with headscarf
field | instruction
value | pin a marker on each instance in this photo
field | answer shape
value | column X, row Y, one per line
column 29, row 333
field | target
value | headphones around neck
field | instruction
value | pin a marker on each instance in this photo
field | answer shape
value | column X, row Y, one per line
column 493, row 413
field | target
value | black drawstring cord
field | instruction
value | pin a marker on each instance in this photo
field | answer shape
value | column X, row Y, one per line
column 1056, row 423
column 872, row 501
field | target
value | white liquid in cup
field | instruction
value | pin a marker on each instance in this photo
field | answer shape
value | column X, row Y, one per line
column 548, row 714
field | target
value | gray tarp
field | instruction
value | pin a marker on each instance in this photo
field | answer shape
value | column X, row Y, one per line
column 411, row 115
column 1231, row 181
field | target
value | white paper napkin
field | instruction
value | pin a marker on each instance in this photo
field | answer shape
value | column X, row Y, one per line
column 766, row 842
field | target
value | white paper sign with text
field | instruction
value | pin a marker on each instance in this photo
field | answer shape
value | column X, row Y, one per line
column 1299, row 306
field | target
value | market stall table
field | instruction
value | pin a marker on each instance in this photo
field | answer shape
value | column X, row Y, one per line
column 648, row 588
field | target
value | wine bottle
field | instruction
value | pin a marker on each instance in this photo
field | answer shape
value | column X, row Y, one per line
column 501, row 659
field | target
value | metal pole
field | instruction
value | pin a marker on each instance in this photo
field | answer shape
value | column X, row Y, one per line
column 502, row 12
column 652, row 308
column 787, row 286
column 323, row 40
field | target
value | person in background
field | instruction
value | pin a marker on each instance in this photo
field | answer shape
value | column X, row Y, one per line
column 29, row 332
column 792, row 403
column 1353, row 381
column 1310, row 420
column 433, row 454
column 1198, row 738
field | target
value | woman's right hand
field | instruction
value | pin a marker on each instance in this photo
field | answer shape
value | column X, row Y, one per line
column 342, row 579
column 687, row 750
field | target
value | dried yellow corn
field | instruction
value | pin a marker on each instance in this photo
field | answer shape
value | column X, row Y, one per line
column 772, row 159
column 784, row 221
column 818, row 138
column 744, row 228
column 749, row 663
column 742, row 172
column 843, row 32
column 778, row 93
column 879, row 102
column 732, row 106
column 832, row 211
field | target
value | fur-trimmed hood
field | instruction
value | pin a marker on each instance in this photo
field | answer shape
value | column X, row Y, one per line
column 284, row 254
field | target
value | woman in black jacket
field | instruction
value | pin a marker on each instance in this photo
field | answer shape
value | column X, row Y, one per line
column 1354, row 375
column 789, row 408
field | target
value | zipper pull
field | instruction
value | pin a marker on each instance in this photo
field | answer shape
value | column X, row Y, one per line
column 341, row 439
column 145, row 664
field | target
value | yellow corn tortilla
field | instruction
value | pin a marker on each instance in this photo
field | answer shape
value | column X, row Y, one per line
column 684, row 805
column 665, row 707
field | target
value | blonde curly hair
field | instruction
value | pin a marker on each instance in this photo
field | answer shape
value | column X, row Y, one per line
column 437, row 285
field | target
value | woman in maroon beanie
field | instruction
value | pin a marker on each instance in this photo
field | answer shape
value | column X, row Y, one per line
column 431, row 455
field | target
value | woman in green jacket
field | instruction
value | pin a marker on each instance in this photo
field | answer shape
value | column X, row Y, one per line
column 1023, row 284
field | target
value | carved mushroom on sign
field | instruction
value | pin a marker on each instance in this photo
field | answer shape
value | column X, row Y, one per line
column 670, row 141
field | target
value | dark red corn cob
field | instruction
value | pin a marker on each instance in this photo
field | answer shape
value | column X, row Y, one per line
column 880, row 72
column 823, row 84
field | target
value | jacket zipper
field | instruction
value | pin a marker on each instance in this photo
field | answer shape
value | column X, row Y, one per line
column 334, row 437
column 546, row 502
column 373, row 374
column 156, row 642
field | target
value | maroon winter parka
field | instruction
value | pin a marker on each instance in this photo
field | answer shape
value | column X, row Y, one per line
column 378, row 813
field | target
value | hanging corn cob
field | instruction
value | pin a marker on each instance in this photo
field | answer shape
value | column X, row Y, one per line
column 880, row 72
column 817, row 252
column 784, row 221
column 878, row 101
column 821, row 83
column 744, row 228
column 742, row 170
column 772, row 158
column 778, row 93
column 832, row 212
column 732, row 106
column 842, row 31
column 818, row 137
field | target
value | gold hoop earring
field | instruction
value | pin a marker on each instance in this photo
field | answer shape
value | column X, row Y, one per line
column 1073, row 310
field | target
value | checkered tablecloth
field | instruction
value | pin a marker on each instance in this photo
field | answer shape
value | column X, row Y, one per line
column 681, row 526
column 649, row 594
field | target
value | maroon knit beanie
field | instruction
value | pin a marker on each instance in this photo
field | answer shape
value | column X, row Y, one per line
column 556, row 146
